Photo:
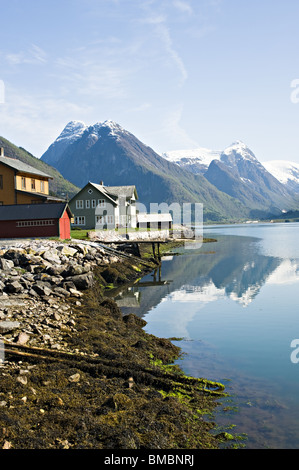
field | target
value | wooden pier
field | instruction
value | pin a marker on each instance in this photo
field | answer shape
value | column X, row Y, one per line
column 155, row 244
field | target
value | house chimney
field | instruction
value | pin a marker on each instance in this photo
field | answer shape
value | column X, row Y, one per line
column 1, row 151
column 102, row 183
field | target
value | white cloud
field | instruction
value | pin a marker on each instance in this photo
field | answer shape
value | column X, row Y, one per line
column 183, row 6
column 34, row 55
column 164, row 35
column 173, row 132
column 33, row 120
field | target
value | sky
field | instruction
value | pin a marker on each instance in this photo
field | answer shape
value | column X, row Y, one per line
column 178, row 74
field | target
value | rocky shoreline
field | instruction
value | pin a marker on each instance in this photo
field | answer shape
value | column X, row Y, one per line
column 76, row 373
column 36, row 277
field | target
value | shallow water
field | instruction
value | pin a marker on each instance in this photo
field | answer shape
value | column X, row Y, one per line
column 235, row 304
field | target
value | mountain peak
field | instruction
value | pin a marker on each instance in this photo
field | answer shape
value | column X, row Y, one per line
column 113, row 127
column 238, row 150
column 73, row 130
column 238, row 145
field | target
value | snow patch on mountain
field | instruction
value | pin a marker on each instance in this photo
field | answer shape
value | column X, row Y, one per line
column 199, row 155
column 75, row 129
column 285, row 171
column 238, row 150
column 113, row 127
column 72, row 131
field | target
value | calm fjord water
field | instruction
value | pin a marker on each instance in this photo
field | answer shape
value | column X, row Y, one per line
column 235, row 304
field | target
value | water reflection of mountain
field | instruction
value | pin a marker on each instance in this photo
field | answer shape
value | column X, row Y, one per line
column 232, row 268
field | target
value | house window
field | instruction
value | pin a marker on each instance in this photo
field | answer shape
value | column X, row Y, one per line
column 34, row 223
column 100, row 219
column 79, row 204
column 80, row 220
column 42, row 186
column 1, row 181
column 33, row 185
column 23, row 182
column 93, row 203
column 110, row 219
column 90, row 191
column 101, row 202
column 87, row 204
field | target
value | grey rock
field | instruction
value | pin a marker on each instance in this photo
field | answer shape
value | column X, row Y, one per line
column 73, row 270
column 52, row 256
column 42, row 289
column 75, row 293
column 14, row 287
column 55, row 270
column 68, row 285
column 6, row 264
column 60, row 291
column 82, row 281
column 6, row 326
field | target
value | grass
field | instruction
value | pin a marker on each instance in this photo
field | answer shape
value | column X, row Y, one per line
column 80, row 234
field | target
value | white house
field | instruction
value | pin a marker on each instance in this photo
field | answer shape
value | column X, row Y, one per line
column 104, row 207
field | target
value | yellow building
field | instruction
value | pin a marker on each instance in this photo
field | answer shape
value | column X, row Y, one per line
column 21, row 183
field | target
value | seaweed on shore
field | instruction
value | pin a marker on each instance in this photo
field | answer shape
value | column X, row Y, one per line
column 117, row 388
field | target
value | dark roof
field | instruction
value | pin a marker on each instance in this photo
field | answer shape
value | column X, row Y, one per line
column 125, row 191
column 111, row 191
column 42, row 196
column 33, row 211
column 22, row 167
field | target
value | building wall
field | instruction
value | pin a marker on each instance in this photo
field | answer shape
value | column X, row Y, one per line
column 7, row 185
column 12, row 229
column 88, row 204
column 28, row 198
column 24, row 183
column 9, row 181
column 65, row 227
column 97, row 211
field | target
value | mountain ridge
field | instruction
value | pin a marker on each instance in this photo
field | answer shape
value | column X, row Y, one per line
column 107, row 152
column 237, row 172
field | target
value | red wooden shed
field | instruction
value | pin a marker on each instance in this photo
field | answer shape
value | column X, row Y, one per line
column 35, row 221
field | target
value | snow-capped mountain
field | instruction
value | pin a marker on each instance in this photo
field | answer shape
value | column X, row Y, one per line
column 238, row 152
column 107, row 152
column 195, row 160
column 74, row 131
column 229, row 183
column 286, row 172
column 237, row 172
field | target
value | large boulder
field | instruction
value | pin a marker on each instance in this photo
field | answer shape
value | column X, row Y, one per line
column 14, row 287
column 42, row 288
column 6, row 264
column 82, row 281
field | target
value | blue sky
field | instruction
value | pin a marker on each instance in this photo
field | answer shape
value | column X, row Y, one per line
column 176, row 73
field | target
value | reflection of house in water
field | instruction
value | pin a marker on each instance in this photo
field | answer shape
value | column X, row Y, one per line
column 235, row 270
column 138, row 298
column 128, row 298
